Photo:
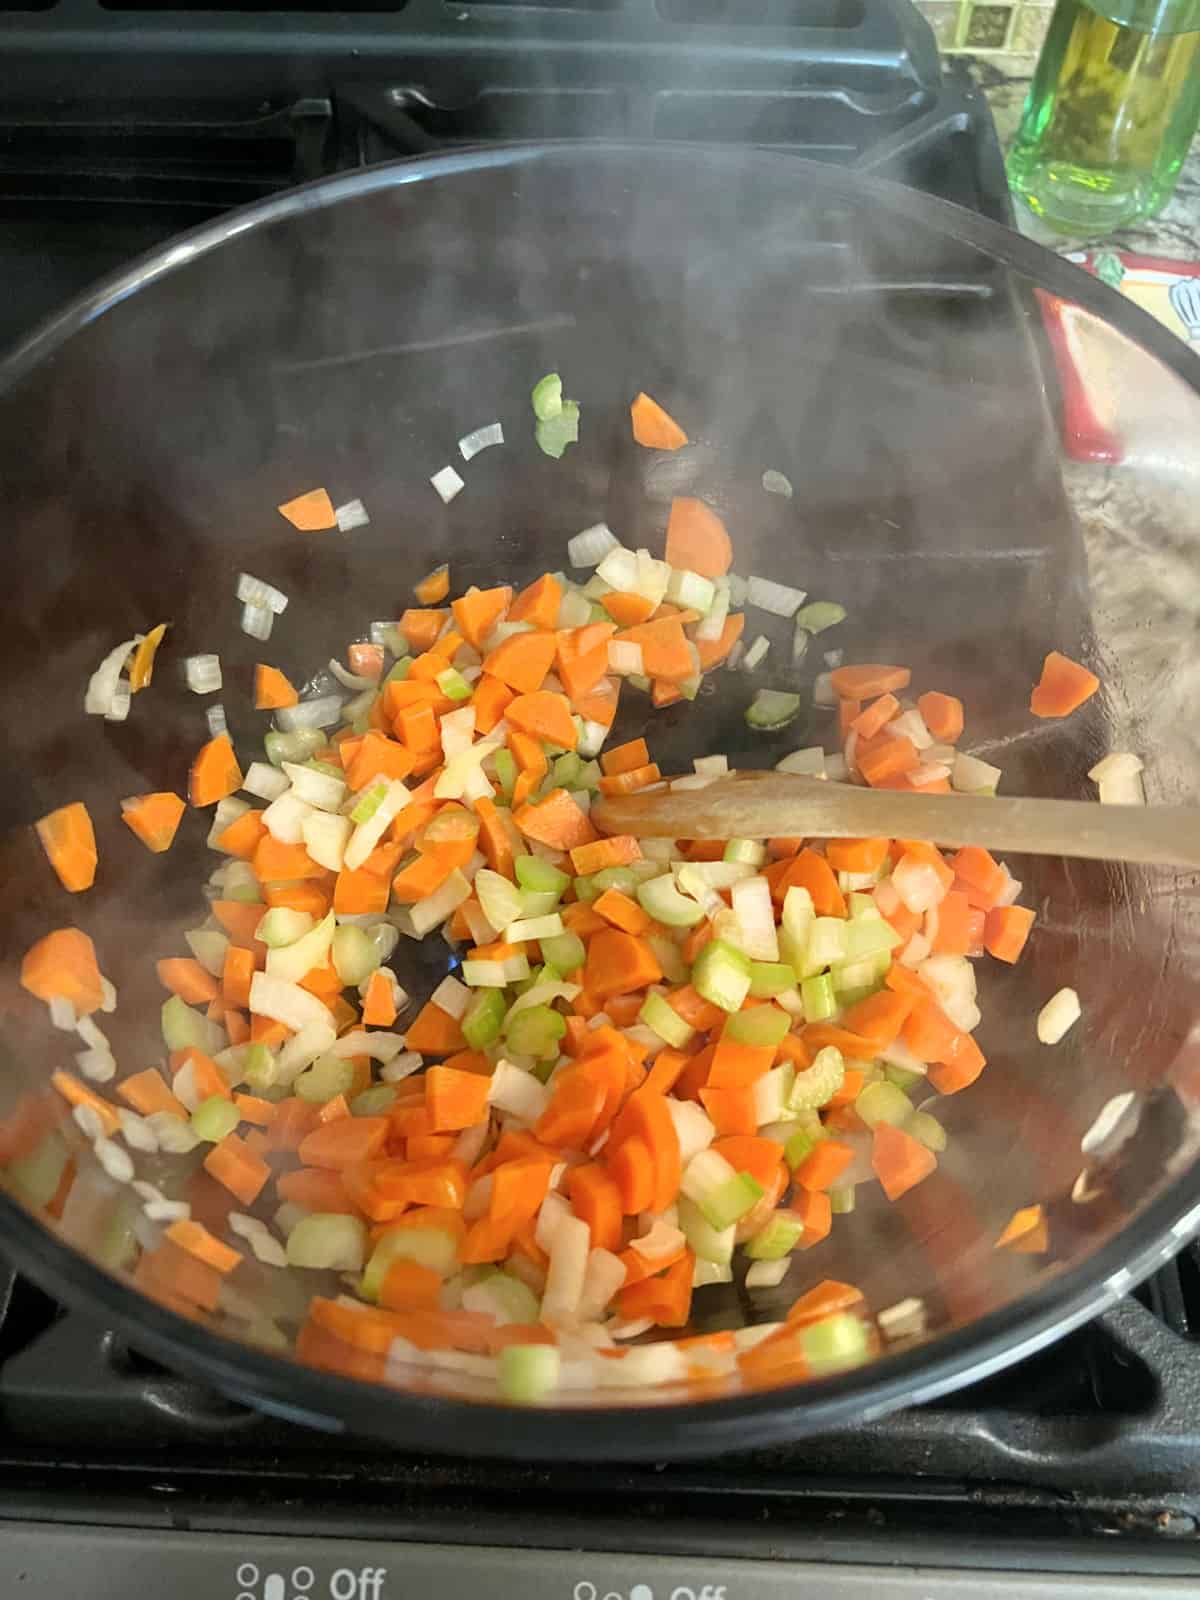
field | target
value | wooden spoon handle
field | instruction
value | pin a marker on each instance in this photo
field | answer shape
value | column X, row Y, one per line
column 760, row 805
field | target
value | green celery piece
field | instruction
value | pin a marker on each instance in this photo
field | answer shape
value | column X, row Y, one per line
column 819, row 1001
column 835, row 1343
column 483, row 1018
column 819, row 615
column 539, row 876
column 762, row 1025
column 399, row 671
column 731, row 1201
column 535, row 1031
column 778, row 1239
column 506, row 771
column 815, row 1086
column 565, row 951
column 555, row 433
column 769, row 978
column 547, row 397
column 721, row 974
column 666, row 1022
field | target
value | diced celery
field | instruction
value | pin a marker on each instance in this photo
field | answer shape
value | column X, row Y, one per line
column 535, row 1031
column 869, row 935
column 861, row 905
column 747, row 852
column 368, row 803
column 506, row 771
column 761, row 1025
column 435, row 1248
column 902, row 1077
column 296, row 746
column 624, row 879
column 185, row 1029
column 669, row 957
column 547, row 397
column 538, row 903
column 35, row 1178
column 453, row 685
column 720, row 974
column 842, row 1199
column 241, row 884
column 801, row 1145
column 281, row 926
column 589, row 776
column 814, row 1086
column 528, row 1373
column 398, row 644
column 540, row 876
column 504, row 1298
column 779, row 1238
column 771, row 709
column 666, row 1022
column 819, row 1001
column 883, row 1102
column 564, row 951
column 565, row 772
column 928, row 1130
column 708, row 1243
column 328, row 1077
column 482, row 1020
column 259, row 1068
column 355, row 954
column 328, row 1240
column 555, row 433
column 826, row 945
column 769, row 978
column 376, row 1101
column 731, row 1201
column 866, row 974
column 799, row 915
column 659, row 898
column 835, row 1343
column 214, row 1118
column 818, row 615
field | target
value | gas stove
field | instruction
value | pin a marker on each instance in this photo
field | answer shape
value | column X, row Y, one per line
column 1075, row 1473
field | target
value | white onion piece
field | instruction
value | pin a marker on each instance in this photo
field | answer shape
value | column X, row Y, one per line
column 810, row 762
column 589, row 548
column 970, row 775
column 98, row 699
column 284, row 818
column 380, row 1046
column 257, row 621
column 319, row 789
column 217, row 721
column 203, row 673
column 911, row 725
column 451, row 996
column 1058, row 1016
column 710, row 766
column 401, row 1066
column 118, row 707
column 775, row 483
column 256, row 592
column 62, row 1013
column 481, row 439
column 517, row 1092
column 287, row 1003
column 823, row 690
column 350, row 516
column 322, row 712
column 778, row 598
column 756, row 654
column 625, row 658
column 368, row 834
column 753, row 908
column 448, row 484
column 264, row 781
column 767, row 1274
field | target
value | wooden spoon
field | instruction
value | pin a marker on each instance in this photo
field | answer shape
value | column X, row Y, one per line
column 762, row 805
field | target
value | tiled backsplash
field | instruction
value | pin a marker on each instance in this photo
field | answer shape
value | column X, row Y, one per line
column 989, row 27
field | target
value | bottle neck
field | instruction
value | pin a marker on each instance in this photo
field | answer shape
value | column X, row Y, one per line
column 1151, row 16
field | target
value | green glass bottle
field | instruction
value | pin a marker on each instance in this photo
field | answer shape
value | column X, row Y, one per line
column 1112, row 109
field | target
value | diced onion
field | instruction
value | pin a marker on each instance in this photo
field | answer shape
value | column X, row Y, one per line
column 589, row 548
column 711, row 766
column 778, row 598
column 775, row 483
column 451, row 996
column 472, row 443
column 756, row 654
column 322, row 712
column 257, row 621
column 823, row 690
column 264, row 781
column 351, row 680
column 1058, row 1016
column 122, row 698
column 203, row 674
column 767, row 1274
column 350, row 516
column 970, row 775
column 448, row 483
column 753, row 908
column 809, row 762
column 255, row 592
column 217, row 721
column 911, row 725
column 287, row 1003
column 319, row 789
column 284, row 818
column 625, row 658
column 97, row 701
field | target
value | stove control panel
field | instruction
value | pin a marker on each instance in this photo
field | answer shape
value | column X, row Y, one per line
column 53, row 1561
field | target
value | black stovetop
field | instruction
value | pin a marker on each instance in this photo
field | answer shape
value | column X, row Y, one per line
column 116, row 132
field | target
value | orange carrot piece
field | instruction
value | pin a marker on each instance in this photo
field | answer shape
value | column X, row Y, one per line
column 237, row 1168
column 275, row 862
column 344, row 1142
column 879, row 1018
column 943, row 714
column 188, row 979
column 581, row 656
column 1006, row 930
column 596, row 1200
column 667, row 1300
column 424, row 876
column 600, row 704
column 631, row 1167
column 379, row 1005
column 667, row 653
column 865, row 682
column 1063, row 687
column 961, row 1063
column 885, row 757
column 825, row 1300
column 594, row 855
column 979, row 869
column 377, row 757
column 494, row 839
column 254, row 1109
column 477, row 613
column 360, row 893
column 815, row 1210
column 621, row 911
column 309, row 897
column 454, row 1099
column 237, row 972
column 898, row 1160
column 856, row 855
column 69, row 841
column 63, row 964
column 421, row 627
column 434, row 587
column 154, row 818
column 490, row 700
column 272, row 690
column 954, row 912
column 626, row 609
column 556, row 821
column 434, row 1032
column 618, row 963
column 625, row 758
column 731, row 1110
column 631, row 782
column 653, row 427
column 147, row 1092
column 823, row 1165
column 215, row 773
column 868, row 722
column 713, row 651
column 697, row 539
column 76, row 1093
column 311, row 512
column 522, row 661
column 811, row 871
column 195, row 1238
column 538, row 603
column 141, row 668
column 544, row 715
column 849, row 712
column 243, row 835
column 178, row 1280
column 408, row 1286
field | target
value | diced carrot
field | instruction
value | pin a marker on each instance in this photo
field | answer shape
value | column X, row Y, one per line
column 76, row 1093
column 594, row 855
column 490, row 700
column 713, row 651
column 556, row 821
column 237, row 1169
column 69, row 841
column 206, row 1074
column 961, row 1064
column 898, row 1160
column 865, row 682
column 276, row 862
column 408, row 1286
column 243, row 835
column 379, row 1005
column 494, row 838
column 667, row 1300
column 316, row 1189
column 545, row 716
column 827, row 1299
column 600, row 704
column 188, row 979
column 1006, row 930
column 761, row 1158
column 310, row 512
column 63, row 965
column 732, row 1111
column 477, row 613
column 596, row 1200
column 141, row 668
column 867, row 723
column 879, row 1018
column 625, row 758
column 943, row 714
column 856, row 855
column 1063, row 687
column 928, row 1031
column 823, row 1165
column 538, row 603
column 815, row 1210
column 522, row 660
column 667, row 652
column 813, row 872
column 849, row 712
column 622, row 912
column 630, row 782
column 421, row 627
column 265, row 1030
column 455, row 1100
column 215, row 773
column 817, row 1035
column 154, row 818
column 653, row 427
column 147, row 1092
column 434, row 587
column 423, row 876
column 618, row 963
column 195, row 1238
column 254, row 1109
column 344, row 1142
column 697, row 539
column 980, row 869
column 308, row 897
column 360, row 893
column 434, row 1032
column 272, row 690
column 178, row 1279
column 886, row 756
column 378, row 757
column 853, row 1080
column 953, row 936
